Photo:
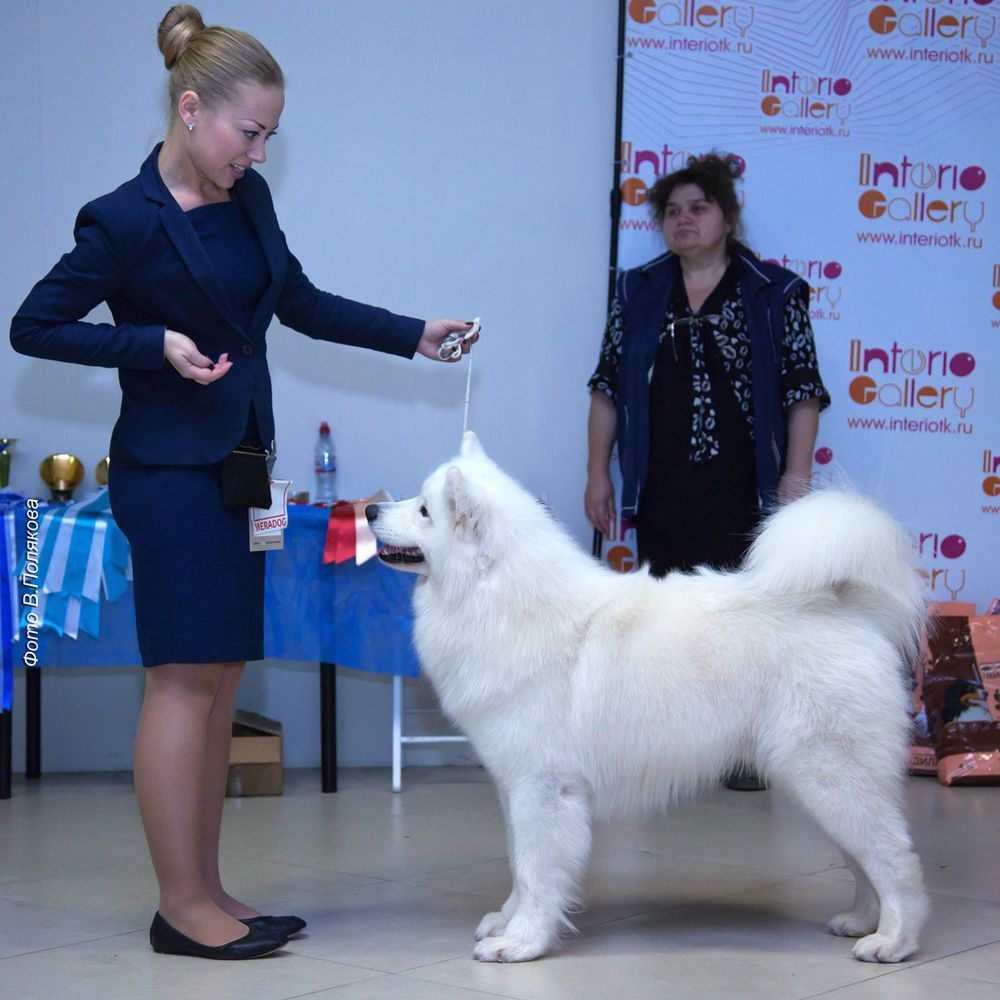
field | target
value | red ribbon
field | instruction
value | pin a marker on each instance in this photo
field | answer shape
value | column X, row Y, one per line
column 341, row 543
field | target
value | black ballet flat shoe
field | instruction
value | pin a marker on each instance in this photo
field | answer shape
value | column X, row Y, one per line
column 276, row 925
column 167, row 940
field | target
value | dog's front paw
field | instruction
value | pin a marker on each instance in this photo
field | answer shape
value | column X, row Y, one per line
column 855, row 923
column 506, row 949
column 492, row 925
column 881, row 948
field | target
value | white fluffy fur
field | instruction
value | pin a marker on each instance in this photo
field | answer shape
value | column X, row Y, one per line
column 589, row 692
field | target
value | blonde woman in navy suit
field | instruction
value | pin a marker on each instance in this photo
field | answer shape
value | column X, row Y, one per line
column 189, row 257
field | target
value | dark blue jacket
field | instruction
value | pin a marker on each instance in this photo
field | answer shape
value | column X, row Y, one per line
column 137, row 251
column 643, row 294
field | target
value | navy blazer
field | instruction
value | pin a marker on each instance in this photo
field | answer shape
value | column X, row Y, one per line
column 137, row 251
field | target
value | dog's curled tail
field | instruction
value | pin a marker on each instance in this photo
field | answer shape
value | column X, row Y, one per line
column 838, row 542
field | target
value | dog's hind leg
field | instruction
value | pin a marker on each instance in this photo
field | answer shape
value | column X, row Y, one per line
column 866, row 822
column 862, row 918
column 549, row 833
column 896, row 876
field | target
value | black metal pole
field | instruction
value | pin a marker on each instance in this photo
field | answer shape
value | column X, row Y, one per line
column 5, row 754
column 616, row 187
column 328, row 725
column 33, row 722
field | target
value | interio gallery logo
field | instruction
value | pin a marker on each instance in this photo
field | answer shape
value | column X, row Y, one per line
column 692, row 26
column 823, row 471
column 991, row 472
column 693, row 14
column 793, row 97
column 620, row 553
column 925, row 391
column 641, row 167
column 938, row 554
column 823, row 275
column 930, row 192
column 964, row 25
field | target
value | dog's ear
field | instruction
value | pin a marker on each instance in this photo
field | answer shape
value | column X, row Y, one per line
column 471, row 448
column 461, row 502
column 467, row 514
column 457, row 491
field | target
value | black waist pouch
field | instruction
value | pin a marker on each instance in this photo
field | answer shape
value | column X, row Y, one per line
column 245, row 480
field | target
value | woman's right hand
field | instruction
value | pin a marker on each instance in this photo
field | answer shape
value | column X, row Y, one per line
column 182, row 352
column 599, row 502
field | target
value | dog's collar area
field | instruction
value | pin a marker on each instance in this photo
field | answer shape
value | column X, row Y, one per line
column 400, row 554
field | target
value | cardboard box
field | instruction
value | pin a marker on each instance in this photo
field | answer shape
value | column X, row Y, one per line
column 255, row 758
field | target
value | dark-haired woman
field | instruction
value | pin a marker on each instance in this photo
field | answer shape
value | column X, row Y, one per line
column 708, row 380
column 190, row 259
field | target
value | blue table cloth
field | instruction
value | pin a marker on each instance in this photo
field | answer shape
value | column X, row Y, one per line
column 8, row 596
column 354, row 616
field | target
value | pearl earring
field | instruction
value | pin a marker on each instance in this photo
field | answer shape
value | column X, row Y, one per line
column 190, row 126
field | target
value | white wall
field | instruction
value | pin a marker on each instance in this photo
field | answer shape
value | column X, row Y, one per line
column 437, row 157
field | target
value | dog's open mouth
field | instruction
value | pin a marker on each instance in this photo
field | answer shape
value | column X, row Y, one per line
column 408, row 554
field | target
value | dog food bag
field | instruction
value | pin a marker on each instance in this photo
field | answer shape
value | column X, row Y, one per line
column 921, row 758
column 941, row 609
column 960, row 688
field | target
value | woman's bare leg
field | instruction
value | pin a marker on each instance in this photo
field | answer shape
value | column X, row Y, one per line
column 171, row 752
column 216, row 774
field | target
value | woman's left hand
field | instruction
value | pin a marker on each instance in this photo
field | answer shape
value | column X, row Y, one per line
column 436, row 330
column 793, row 485
column 803, row 422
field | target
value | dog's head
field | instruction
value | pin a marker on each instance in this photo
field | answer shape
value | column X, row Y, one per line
column 453, row 523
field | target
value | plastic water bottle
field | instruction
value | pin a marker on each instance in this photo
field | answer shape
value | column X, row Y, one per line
column 326, row 466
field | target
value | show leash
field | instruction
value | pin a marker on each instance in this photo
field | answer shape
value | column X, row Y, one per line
column 451, row 350
column 468, row 389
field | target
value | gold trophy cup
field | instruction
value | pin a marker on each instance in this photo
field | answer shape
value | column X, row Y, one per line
column 5, row 445
column 62, row 473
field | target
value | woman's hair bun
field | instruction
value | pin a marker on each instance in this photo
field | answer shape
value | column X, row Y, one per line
column 179, row 25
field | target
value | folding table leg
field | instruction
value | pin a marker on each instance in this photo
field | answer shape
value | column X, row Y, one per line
column 33, row 722
column 328, row 724
column 397, row 734
column 6, row 753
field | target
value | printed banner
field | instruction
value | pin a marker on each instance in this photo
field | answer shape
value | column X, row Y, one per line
column 865, row 132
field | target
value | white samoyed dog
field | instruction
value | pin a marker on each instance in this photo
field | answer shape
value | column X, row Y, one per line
column 587, row 693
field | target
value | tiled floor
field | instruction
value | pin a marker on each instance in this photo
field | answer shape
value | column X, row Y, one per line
column 725, row 899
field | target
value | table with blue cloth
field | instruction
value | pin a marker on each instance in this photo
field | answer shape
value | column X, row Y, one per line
column 356, row 616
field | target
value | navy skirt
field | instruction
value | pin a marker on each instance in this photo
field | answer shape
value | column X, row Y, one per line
column 199, row 590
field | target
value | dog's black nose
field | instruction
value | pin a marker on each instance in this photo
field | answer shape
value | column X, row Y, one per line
column 371, row 512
